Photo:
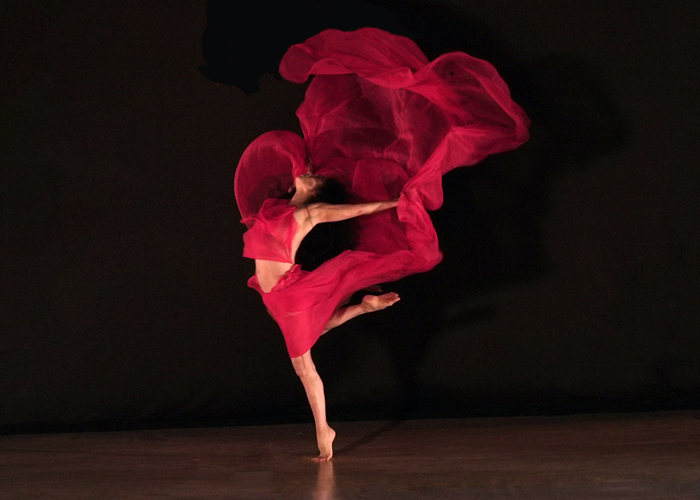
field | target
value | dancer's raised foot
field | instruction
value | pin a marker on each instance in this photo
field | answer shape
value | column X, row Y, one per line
column 379, row 302
column 325, row 444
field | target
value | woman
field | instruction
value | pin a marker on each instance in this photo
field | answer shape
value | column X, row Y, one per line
column 302, row 216
column 387, row 124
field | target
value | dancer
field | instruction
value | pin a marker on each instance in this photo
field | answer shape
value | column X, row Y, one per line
column 383, row 124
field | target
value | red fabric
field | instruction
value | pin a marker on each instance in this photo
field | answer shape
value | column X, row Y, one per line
column 387, row 123
column 270, row 237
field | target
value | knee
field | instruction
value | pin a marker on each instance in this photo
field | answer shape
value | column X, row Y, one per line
column 303, row 366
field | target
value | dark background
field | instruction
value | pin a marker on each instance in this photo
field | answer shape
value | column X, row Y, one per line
column 570, row 279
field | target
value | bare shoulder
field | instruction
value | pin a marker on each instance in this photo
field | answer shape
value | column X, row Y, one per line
column 310, row 215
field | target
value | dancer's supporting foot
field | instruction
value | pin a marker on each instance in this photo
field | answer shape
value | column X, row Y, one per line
column 325, row 444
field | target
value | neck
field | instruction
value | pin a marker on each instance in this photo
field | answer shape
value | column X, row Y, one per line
column 297, row 201
column 300, row 198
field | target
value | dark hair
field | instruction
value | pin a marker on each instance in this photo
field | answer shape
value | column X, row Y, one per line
column 329, row 239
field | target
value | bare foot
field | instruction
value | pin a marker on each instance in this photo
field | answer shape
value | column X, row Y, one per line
column 325, row 445
column 379, row 302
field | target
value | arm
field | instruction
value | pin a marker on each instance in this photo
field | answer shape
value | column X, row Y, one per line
column 325, row 212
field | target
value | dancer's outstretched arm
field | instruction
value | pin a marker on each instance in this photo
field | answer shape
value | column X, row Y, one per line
column 308, row 216
column 326, row 212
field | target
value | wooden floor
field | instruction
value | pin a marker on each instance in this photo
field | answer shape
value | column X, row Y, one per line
column 635, row 456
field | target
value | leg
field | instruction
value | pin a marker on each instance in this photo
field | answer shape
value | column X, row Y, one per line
column 369, row 303
column 305, row 368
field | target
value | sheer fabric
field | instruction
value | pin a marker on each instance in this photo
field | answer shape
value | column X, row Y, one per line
column 387, row 123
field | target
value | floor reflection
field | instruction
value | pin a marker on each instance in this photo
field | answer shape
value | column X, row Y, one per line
column 325, row 486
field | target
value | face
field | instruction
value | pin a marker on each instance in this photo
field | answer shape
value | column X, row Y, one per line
column 306, row 184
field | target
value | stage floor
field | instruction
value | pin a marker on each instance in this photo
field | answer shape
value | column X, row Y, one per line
column 635, row 456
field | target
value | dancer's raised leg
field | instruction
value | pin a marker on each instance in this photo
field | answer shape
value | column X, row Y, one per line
column 305, row 368
column 369, row 303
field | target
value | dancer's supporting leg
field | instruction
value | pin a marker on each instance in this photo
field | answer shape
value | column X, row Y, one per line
column 313, row 385
column 305, row 368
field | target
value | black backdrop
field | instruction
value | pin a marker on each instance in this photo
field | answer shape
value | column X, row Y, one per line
column 570, row 279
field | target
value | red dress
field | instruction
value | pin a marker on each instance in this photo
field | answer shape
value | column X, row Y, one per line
column 387, row 123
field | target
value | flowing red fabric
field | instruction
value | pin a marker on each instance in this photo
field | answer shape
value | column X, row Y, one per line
column 387, row 123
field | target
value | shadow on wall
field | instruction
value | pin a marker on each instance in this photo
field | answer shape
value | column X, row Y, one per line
column 242, row 44
column 490, row 226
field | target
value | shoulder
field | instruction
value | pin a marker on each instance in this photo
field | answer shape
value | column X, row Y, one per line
column 312, row 214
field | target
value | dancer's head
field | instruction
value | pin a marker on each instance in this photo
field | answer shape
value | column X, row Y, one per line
column 318, row 189
column 328, row 190
column 307, row 187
